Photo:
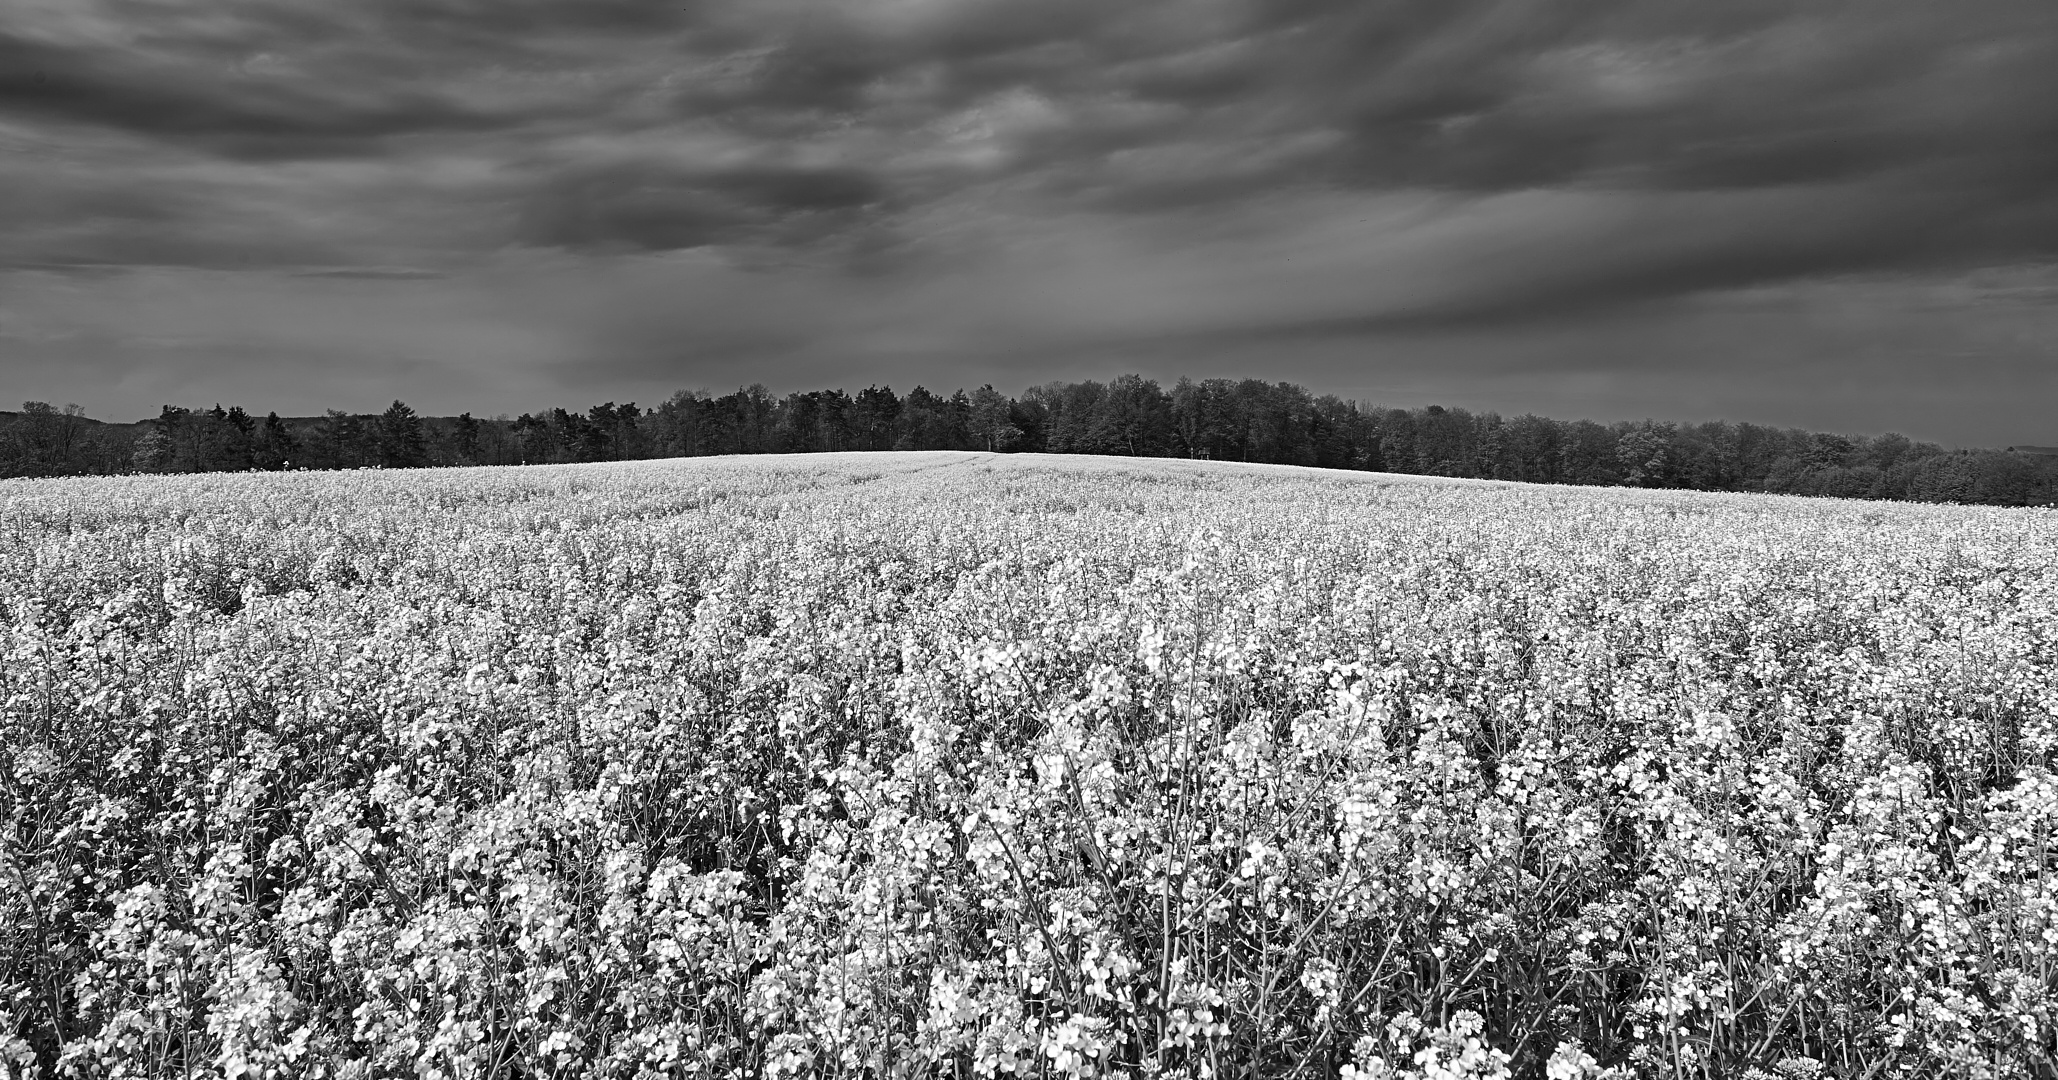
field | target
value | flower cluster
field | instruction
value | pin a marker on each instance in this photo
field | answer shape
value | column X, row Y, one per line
column 956, row 765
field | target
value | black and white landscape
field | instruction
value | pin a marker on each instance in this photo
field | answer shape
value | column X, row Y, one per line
column 1028, row 539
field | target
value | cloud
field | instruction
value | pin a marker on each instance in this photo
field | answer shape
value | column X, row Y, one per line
column 658, row 206
column 233, row 113
column 876, row 109
column 1017, row 182
column 373, row 273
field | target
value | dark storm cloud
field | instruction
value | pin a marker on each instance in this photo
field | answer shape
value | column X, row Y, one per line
column 238, row 116
column 1496, row 96
column 1684, row 246
column 1136, row 107
column 934, row 176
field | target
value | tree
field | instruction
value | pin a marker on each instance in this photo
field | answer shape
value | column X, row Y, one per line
column 1886, row 451
column 228, row 439
column 574, row 437
column 1397, row 441
column 1276, row 421
column 340, row 442
column 814, row 422
column 874, row 417
column 623, row 428
column 927, row 422
column 957, row 423
column 992, row 417
column 1344, row 437
column 1586, row 454
column 496, row 441
column 1490, row 458
column 204, row 441
column 273, row 447
column 464, row 440
column 1704, row 456
column 1033, row 421
column 678, row 427
column 1827, row 451
column 45, row 441
column 1533, row 444
column 746, row 422
column 153, row 451
column 1068, row 415
column 1445, row 441
column 1194, row 423
column 1132, row 416
column 61, row 430
column 401, row 444
column 831, row 429
column 1644, row 453
column 175, row 424
column 533, row 439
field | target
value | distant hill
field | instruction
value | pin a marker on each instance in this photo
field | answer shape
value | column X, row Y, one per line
column 2044, row 451
column 9, row 415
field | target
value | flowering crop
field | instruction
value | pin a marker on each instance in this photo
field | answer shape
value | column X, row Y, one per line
column 961, row 765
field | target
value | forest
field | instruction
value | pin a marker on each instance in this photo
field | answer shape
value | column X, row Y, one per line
column 1219, row 419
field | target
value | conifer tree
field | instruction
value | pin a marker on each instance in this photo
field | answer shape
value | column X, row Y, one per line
column 400, row 440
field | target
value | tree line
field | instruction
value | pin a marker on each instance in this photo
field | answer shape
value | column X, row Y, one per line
column 1217, row 419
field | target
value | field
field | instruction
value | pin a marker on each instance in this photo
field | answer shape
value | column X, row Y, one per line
column 962, row 765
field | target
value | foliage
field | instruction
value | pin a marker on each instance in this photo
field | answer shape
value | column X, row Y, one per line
column 941, row 764
column 44, row 440
column 401, row 443
column 1214, row 419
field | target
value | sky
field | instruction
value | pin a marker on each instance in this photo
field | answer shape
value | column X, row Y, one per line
column 1841, row 216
